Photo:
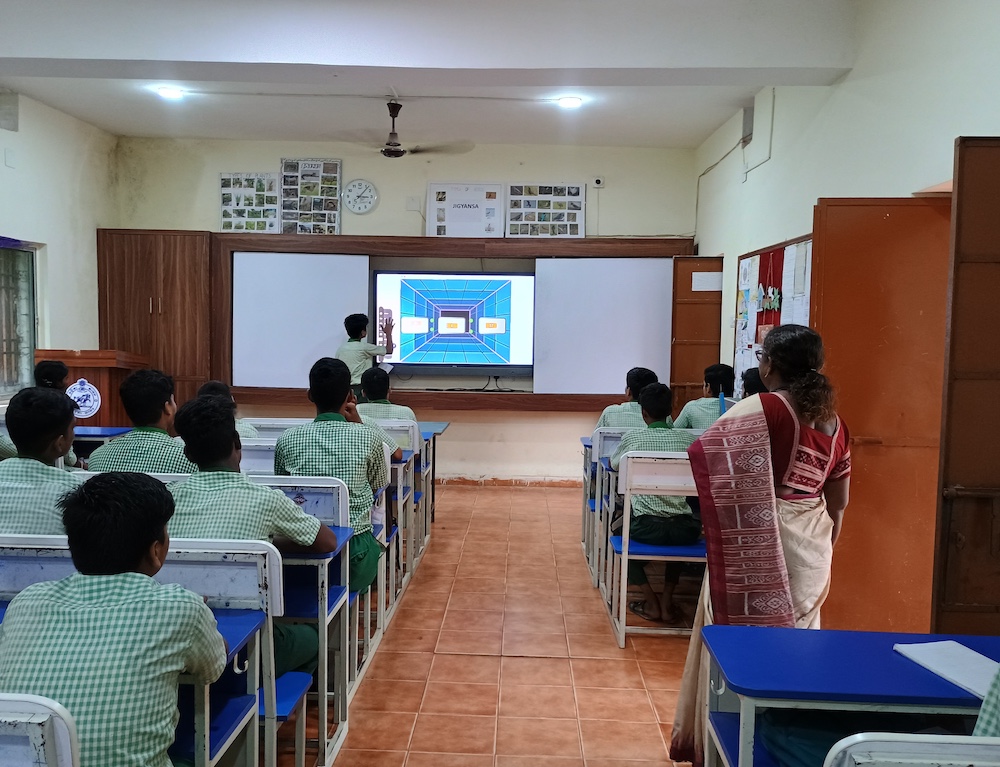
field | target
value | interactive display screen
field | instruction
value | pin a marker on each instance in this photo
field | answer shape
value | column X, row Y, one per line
column 456, row 320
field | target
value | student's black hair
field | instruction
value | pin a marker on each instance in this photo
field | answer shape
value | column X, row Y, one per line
column 752, row 383
column 355, row 324
column 207, row 424
column 638, row 378
column 214, row 389
column 721, row 379
column 144, row 393
column 36, row 416
column 51, row 374
column 329, row 384
column 375, row 383
column 657, row 400
column 797, row 353
column 113, row 518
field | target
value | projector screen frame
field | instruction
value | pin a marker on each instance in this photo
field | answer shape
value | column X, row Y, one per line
column 471, row 370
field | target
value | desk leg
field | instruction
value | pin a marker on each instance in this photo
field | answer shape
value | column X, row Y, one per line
column 748, row 723
column 434, row 461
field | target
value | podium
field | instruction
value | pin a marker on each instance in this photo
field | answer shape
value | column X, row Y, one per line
column 102, row 369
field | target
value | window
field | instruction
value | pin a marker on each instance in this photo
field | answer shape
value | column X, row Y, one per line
column 17, row 320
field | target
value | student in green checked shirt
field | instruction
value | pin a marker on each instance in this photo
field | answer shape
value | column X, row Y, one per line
column 219, row 502
column 41, row 425
column 629, row 413
column 375, row 387
column 338, row 444
column 148, row 398
column 660, row 520
column 109, row 642
column 702, row 413
column 219, row 389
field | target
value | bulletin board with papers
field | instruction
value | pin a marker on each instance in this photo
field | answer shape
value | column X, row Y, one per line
column 772, row 288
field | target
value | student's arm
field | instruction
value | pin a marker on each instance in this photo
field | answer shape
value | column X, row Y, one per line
column 616, row 457
column 279, row 460
column 294, row 531
column 684, row 419
column 387, row 329
column 376, row 470
column 206, row 655
column 837, row 493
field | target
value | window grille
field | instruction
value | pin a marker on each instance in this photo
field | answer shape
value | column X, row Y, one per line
column 17, row 320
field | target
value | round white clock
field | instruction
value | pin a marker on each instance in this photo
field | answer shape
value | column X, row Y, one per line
column 360, row 196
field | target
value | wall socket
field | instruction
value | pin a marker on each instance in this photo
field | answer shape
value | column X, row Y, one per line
column 413, row 203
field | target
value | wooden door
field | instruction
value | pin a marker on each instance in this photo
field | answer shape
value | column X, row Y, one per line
column 968, row 583
column 127, row 287
column 879, row 294
column 181, row 310
column 696, row 328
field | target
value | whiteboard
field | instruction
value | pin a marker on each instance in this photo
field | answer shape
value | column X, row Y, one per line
column 288, row 311
column 596, row 318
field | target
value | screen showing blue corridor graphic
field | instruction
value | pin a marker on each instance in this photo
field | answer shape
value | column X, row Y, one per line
column 455, row 321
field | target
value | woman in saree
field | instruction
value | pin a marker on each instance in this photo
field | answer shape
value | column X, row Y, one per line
column 773, row 477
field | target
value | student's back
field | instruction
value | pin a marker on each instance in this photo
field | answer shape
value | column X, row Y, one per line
column 41, row 426
column 385, row 410
column 703, row 412
column 628, row 414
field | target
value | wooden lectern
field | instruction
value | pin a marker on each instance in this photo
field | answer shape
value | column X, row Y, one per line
column 105, row 369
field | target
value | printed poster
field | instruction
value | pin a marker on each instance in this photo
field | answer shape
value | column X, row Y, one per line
column 310, row 196
column 249, row 202
column 546, row 210
column 464, row 210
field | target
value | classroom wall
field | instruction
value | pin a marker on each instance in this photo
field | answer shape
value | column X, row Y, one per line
column 921, row 78
column 173, row 184
column 61, row 189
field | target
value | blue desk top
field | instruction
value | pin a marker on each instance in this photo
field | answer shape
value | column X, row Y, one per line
column 343, row 536
column 238, row 627
column 606, row 463
column 587, row 441
column 847, row 666
column 99, row 432
column 433, row 427
column 407, row 457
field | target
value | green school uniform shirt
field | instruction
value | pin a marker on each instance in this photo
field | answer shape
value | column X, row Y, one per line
column 625, row 414
column 246, row 430
column 988, row 723
column 29, row 490
column 357, row 355
column 330, row 446
column 144, row 449
column 660, row 437
column 110, row 649
column 7, row 449
column 382, row 409
column 227, row 505
column 699, row 413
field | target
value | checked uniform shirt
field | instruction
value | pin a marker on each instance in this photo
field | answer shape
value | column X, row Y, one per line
column 662, row 438
column 110, row 649
column 330, row 446
column 29, row 490
column 144, row 449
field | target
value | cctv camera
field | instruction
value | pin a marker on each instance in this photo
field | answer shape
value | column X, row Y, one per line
column 598, row 181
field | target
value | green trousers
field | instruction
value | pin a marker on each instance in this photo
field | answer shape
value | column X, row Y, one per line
column 364, row 551
column 676, row 530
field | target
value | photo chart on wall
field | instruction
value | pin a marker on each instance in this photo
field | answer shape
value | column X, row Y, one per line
column 547, row 210
column 464, row 210
column 310, row 196
column 772, row 289
column 249, row 202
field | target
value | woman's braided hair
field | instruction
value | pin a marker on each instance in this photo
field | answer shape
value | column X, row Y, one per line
column 797, row 354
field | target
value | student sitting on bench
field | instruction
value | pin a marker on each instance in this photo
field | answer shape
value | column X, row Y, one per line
column 375, row 388
column 752, row 383
column 702, row 413
column 220, row 502
column 660, row 520
column 109, row 642
column 338, row 444
column 53, row 374
column 629, row 413
column 148, row 398
column 218, row 389
column 357, row 353
column 41, row 425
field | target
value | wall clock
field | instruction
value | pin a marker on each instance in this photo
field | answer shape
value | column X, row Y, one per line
column 360, row 196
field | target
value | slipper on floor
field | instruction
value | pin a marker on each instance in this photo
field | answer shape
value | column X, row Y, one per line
column 638, row 607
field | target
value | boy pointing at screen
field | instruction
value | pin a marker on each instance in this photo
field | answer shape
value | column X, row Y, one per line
column 358, row 353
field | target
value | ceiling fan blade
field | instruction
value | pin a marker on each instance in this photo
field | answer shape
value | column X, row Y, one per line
column 392, row 151
column 457, row 147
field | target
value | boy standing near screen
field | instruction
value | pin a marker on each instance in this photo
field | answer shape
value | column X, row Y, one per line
column 357, row 353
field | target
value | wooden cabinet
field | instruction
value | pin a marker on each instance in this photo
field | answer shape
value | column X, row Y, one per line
column 153, row 300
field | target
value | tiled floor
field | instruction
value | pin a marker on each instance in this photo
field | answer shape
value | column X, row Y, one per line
column 501, row 654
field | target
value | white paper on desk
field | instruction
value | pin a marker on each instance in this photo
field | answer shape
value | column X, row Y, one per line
column 955, row 662
column 385, row 366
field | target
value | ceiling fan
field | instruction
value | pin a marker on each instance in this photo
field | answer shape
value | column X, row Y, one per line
column 394, row 149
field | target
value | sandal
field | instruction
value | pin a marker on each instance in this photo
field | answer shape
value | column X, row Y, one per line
column 638, row 607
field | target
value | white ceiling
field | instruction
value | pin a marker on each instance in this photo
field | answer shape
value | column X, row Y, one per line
column 654, row 73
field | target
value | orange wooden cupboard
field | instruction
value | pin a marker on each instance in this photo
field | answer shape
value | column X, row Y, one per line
column 879, row 298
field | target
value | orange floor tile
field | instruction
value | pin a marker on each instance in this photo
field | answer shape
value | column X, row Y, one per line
column 501, row 653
